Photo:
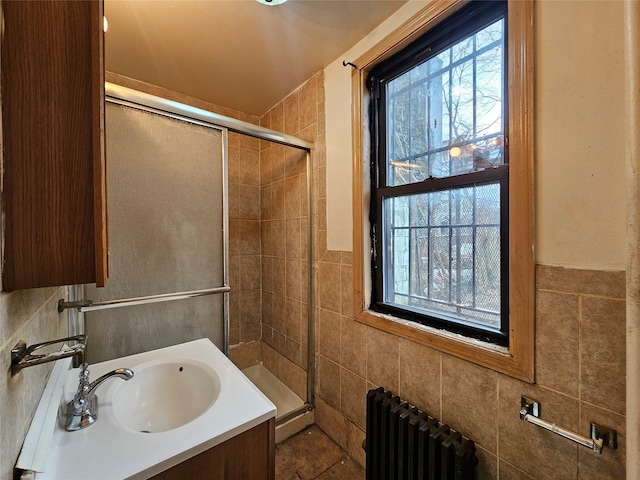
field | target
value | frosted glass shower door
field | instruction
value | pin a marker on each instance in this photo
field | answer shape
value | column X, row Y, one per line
column 165, row 187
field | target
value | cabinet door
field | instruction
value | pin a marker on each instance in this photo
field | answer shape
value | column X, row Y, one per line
column 52, row 65
column 250, row 455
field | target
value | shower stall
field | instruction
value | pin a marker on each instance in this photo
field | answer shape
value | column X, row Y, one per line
column 168, row 225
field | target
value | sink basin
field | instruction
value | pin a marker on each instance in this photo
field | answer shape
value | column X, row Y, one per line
column 190, row 398
column 165, row 395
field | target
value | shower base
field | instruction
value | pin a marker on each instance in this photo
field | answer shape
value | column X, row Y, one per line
column 285, row 400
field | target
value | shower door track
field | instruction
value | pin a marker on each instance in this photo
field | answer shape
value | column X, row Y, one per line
column 145, row 100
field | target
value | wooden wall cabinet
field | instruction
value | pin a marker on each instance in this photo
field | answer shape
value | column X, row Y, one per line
column 54, row 185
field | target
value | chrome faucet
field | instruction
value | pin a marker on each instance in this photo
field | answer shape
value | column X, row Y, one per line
column 23, row 356
column 82, row 411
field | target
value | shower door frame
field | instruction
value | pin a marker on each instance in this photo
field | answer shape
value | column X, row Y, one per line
column 133, row 98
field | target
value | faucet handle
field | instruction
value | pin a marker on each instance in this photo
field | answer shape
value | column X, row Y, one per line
column 79, row 399
column 82, row 411
column 84, row 372
column 83, row 377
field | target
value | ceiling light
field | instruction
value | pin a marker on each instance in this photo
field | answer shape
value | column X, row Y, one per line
column 271, row 2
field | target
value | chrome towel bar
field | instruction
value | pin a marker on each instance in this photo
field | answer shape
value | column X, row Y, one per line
column 89, row 305
column 600, row 436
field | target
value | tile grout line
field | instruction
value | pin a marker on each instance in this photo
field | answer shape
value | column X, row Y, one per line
column 329, row 467
column 579, row 353
column 580, row 345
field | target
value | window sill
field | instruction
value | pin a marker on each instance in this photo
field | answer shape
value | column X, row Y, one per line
column 488, row 355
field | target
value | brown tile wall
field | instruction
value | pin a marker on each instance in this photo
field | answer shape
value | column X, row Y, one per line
column 283, row 223
column 245, row 279
column 580, row 363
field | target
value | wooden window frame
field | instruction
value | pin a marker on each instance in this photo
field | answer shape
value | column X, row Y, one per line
column 518, row 359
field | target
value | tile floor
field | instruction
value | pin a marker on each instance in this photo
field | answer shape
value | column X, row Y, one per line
column 312, row 455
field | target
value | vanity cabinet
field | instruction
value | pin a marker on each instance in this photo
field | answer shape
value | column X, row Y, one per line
column 249, row 455
column 54, row 186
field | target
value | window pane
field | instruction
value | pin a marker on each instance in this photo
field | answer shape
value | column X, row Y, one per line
column 445, row 114
column 489, row 92
column 444, row 254
column 399, row 119
column 460, row 104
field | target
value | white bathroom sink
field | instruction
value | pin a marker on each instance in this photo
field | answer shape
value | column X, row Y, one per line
column 189, row 397
column 165, row 395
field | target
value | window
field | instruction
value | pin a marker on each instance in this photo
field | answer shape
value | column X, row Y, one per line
column 439, row 224
column 443, row 251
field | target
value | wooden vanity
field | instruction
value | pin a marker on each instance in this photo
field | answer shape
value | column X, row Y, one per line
column 250, row 455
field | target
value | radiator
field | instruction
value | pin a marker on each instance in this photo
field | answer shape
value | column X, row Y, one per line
column 403, row 443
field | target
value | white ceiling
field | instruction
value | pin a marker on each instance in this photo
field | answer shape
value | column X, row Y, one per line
column 235, row 53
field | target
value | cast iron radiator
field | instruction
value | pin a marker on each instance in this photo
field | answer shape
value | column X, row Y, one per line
column 403, row 443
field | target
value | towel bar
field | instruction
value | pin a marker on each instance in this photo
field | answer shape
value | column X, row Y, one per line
column 89, row 305
column 600, row 436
